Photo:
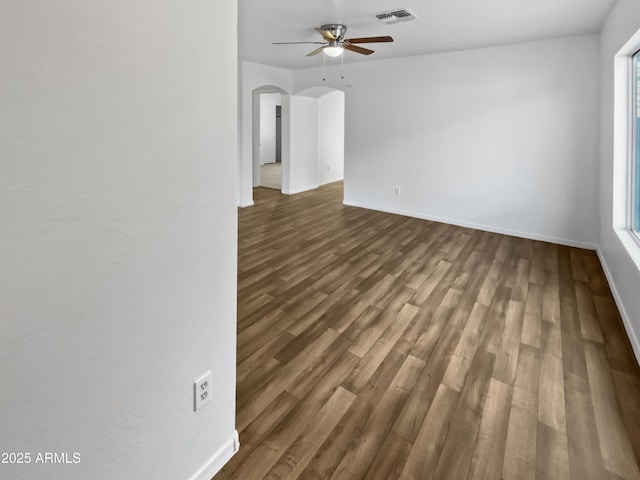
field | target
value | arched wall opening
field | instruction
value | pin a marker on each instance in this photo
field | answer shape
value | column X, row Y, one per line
column 264, row 134
column 312, row 137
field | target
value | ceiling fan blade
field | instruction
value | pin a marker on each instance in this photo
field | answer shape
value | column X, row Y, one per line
column 315, row 52
column 355, row 48
column 327, row 35
column 370, row 39
column 295, row 43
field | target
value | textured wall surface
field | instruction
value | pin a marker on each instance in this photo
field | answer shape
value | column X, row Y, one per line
column 118, row 238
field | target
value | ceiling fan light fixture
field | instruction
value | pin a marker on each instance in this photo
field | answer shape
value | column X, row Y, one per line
column 333, row 51
column 335, row 43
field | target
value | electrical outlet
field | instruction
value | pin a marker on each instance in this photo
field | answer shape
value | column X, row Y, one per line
column 396, row 191
column 202, row 391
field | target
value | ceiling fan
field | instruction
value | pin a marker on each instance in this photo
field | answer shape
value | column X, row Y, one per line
column 335, row 43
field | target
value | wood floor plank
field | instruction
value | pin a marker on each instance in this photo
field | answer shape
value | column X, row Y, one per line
column 432, row 281
column 456, row 374
column 378, row 346
column 379, row 351
column 419, row 402
column 520, row 452
column 457, row 451
column 262, row 398
column 531, row 330
column 587, row 313
column 488, row 454
column 298, row 455
column 614, row 443
column 344, row 312
column 628, row 393
column 597, row 281
column 566, row 275
column 552, row 454
column 619, row 351
column 367, row 338
column 333, row 363
column 551, row 398
column 551, row 304
column 521, row 283
column 439, row 320
column 536, row 274
column 535, row 296
column 388, row 463
column 360, row 452
column 578, row 268
column 573, row 359
column 423, row 459
column 507, row 355
column 491, row 283
column 494, row 325
column 585, row 459
column 302, row 312
column 253, row 435
column 329, row 455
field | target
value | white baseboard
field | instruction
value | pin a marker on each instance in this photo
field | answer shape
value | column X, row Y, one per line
column 334, row 180
column 299, row 190
column 219, row 459
column 626, row 320
column 451, row 221
column 246, row 204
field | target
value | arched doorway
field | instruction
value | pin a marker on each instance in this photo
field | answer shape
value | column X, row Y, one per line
column 269, row 155
column 312, row 136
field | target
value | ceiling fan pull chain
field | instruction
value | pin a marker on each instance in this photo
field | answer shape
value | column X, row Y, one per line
column 324, row 68
column 342, row 67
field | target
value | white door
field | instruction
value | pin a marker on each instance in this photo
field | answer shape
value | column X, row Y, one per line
column 267, row 134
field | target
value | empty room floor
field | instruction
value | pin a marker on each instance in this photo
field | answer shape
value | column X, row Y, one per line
column 271, row 175
column 376, row 346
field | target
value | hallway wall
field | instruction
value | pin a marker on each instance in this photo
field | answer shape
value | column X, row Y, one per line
column 119, row 237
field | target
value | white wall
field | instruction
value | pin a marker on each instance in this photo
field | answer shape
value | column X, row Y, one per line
column 118, row 238
column 303, row 153
column 501, row 138
column 253, row 76
column 331, row 137
column 623, row 275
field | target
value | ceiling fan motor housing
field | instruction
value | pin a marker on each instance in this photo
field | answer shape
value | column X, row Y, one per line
column 336, row 29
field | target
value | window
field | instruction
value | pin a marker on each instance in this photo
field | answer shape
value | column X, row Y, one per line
column 625, row 193
column 635, row 152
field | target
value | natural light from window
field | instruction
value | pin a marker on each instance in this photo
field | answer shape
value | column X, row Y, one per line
column 635, row 167
column 626, row 147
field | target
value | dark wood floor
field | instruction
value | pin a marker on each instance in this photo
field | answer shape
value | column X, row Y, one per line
column 376, row 346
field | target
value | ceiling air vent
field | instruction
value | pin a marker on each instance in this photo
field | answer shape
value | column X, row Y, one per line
column 396, row 16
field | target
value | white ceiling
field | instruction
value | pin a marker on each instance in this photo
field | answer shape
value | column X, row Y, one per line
column 444, row 25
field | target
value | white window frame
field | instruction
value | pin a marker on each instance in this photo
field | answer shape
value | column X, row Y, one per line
column 634, row 98
column 624, row 147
